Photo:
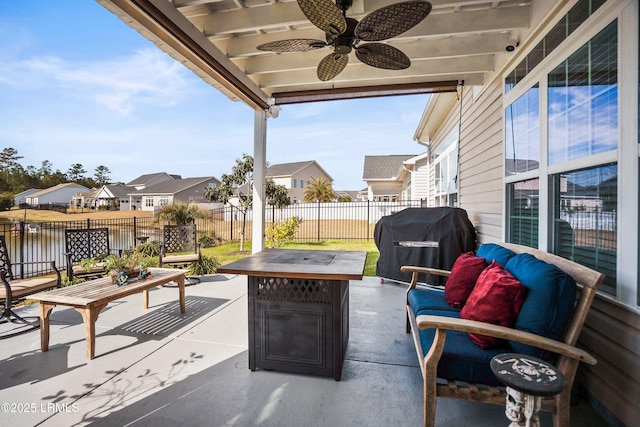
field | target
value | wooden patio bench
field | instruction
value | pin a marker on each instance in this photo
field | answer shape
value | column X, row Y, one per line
column 455, row 364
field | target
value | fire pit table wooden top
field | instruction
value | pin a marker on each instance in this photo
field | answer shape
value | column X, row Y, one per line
column 301, row 264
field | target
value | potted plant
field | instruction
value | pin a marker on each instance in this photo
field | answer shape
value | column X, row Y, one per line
column 126, row 266
column 88, row 264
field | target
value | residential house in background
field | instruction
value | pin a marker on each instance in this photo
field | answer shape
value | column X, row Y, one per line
column 363, row 194
column 348, row 194
column 21, row 198
column 153, row 197
column 144, row 181
column 296, row 177
column 384, row 177
column 58, row 195
column 113, row 196
column 415, row 178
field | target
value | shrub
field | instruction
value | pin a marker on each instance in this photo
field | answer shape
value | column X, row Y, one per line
column 207, row 241
column 150, row 249
column 278, row 234
column 6, row 201
column 206, row 265
column 64, row 280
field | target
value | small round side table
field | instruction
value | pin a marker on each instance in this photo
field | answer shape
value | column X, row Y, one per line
column 528, row 379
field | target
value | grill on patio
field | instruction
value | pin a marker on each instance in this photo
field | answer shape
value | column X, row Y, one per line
column 427, row 237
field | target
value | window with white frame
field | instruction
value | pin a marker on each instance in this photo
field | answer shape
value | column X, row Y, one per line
column 523, row 212
column 574, row 97
column 522, row 133
column 583, row 218
column 164, row 201
column 148, row 202
column 445, row 166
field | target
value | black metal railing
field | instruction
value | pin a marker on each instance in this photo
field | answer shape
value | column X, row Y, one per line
column 45, row 241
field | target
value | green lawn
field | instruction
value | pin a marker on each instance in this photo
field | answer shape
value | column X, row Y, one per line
column 231, row 252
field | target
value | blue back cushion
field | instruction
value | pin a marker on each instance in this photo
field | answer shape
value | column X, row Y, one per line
column 492, row 251
column 551, row 295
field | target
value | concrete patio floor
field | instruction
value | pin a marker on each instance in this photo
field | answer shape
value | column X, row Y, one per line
column 155, row 367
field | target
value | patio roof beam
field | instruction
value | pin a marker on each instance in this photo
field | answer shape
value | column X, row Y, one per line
column 359, row 74
column 285, row 98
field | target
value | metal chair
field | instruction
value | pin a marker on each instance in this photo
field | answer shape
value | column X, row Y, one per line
column 19, row 287
column 180, row 248
column 83, row 243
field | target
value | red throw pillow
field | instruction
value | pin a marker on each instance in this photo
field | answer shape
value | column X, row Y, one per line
column 464, row 274
column 497, row 299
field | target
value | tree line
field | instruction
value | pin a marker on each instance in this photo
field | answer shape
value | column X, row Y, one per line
column 15, row 178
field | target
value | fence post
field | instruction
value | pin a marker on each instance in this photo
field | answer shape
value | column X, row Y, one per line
column 231, row 226
column 368, row 219
column 318, row 220
column 135, row 230
column 88, row 223
column 22, row 249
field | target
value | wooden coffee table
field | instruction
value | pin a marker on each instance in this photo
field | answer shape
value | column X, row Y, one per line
column 89, row 298
column 299, row 308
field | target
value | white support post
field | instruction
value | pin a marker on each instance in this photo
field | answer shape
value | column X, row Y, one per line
column 259, row 172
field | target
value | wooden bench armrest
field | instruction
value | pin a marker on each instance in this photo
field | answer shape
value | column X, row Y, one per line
column 417, row 270
column 455, row 324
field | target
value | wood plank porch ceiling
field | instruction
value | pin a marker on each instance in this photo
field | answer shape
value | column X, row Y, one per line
column 217, row 39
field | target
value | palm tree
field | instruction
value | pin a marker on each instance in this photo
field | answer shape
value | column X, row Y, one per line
column 319, row 190
column 181, row 213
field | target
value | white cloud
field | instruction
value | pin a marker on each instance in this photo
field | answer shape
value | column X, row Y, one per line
column 121, row 85
column 147, row 77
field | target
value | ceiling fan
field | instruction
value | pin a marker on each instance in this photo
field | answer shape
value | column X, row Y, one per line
column 345, row 34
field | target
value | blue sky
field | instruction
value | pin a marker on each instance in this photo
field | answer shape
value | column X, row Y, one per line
column 77, row 85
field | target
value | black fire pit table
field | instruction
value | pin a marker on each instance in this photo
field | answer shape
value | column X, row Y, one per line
column 299, row 308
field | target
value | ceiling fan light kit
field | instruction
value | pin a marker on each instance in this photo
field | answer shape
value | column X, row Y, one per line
column 345, row 34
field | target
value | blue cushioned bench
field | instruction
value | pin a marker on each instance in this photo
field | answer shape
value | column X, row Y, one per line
column 559, row 293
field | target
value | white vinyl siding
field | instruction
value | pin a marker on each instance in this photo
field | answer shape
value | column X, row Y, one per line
column 420, row 180
column 481, row 166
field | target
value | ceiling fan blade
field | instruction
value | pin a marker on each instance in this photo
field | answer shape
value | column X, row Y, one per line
column 392, row 20
column 382, row 55
column 292, row 45
column 325, row 15
column 331, row 65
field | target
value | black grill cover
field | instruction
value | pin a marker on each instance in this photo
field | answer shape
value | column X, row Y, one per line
column 399, row 236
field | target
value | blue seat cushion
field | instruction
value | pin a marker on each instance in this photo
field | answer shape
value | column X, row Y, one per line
column 428, row 299
column 492, row 251
column 551, row 295
column 461, row 360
